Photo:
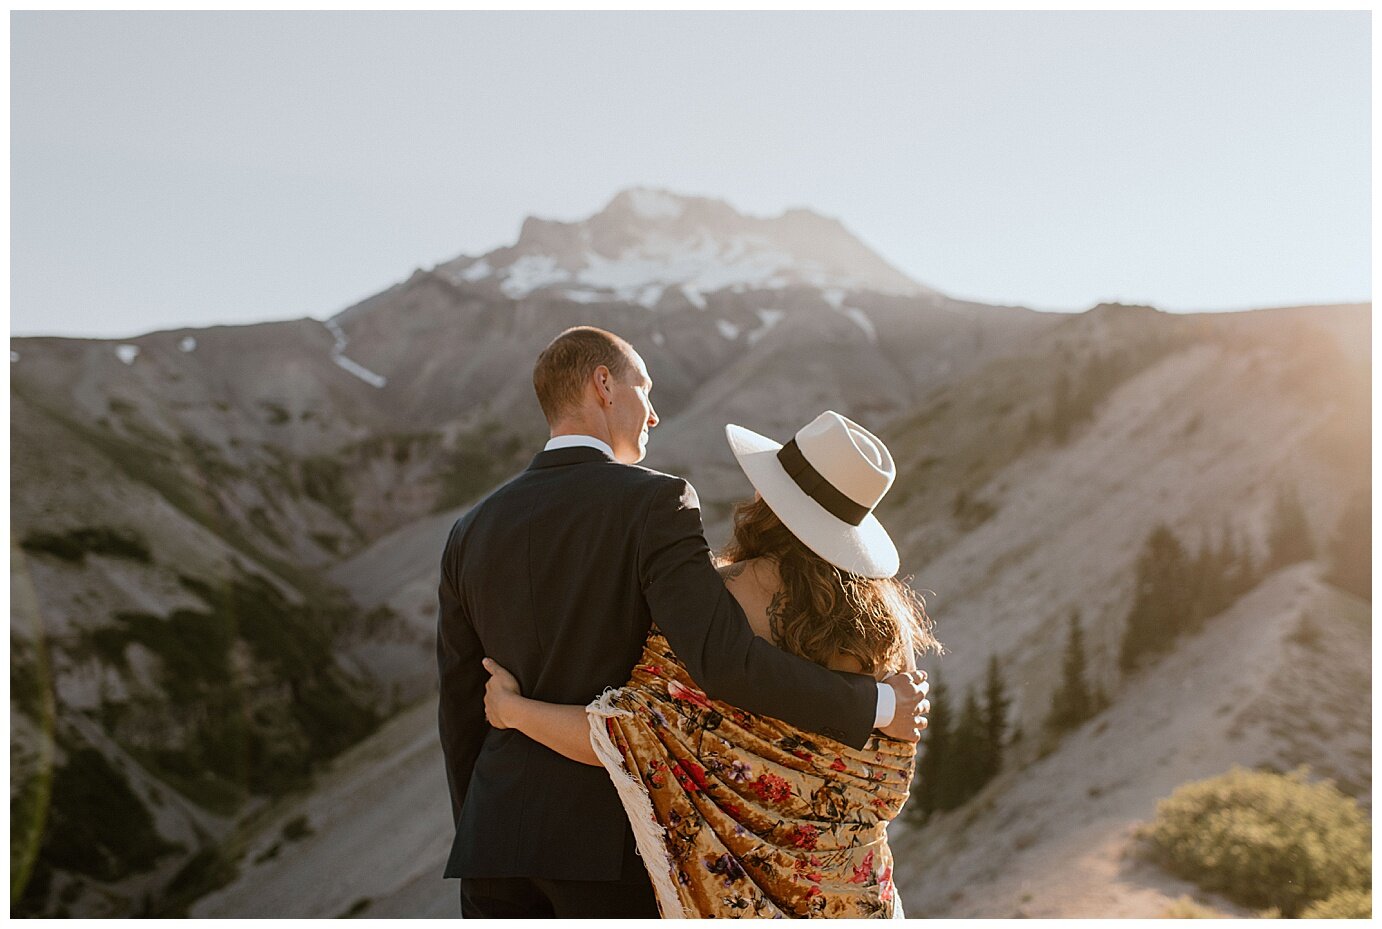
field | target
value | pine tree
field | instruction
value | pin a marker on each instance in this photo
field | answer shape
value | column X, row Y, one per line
column 1160, row 604
column 1100, row 375
column 1252, row 568
column 1072, row 702
column 962, row 773
column 1228, row 559
column 1289, row 540
column 1101, row 699
column 1061, row 414
column 1196, row 585
column 1220, row 574
column 996, row 703
column 1350, row 548
column 1245, row 569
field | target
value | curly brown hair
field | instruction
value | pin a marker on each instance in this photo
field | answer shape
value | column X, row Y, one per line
column 823, row 612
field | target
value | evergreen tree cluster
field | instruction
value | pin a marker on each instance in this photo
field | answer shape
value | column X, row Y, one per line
column 1290, row 540
column 1074, row 700
column 1074, row 398
column 961, row 754
column 1350, row 548
column 1177, row 590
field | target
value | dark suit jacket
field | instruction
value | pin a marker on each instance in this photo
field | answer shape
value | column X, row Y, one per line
column 557, row 575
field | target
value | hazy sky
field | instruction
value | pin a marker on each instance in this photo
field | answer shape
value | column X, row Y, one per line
column 176, row 169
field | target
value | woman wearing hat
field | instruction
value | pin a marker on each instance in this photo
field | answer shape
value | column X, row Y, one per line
column 743, row 815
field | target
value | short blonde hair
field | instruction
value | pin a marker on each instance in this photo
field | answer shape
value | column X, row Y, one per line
column 565, row 365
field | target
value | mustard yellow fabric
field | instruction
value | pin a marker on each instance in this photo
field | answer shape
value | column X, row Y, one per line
column 744, row 815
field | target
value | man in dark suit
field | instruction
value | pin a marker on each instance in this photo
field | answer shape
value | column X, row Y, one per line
column 558, row 575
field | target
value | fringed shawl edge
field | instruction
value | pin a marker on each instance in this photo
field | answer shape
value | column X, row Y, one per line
column 648, row 833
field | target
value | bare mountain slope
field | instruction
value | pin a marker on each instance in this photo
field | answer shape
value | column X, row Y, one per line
column 380, row 830
column 1053, row 838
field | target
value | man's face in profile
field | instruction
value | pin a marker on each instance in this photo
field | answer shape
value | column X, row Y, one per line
column 632, row 414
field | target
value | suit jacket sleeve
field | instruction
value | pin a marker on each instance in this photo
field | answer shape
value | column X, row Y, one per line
column 708, row 631
column 461, row 711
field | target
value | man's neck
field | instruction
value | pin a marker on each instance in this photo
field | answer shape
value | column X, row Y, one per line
column 592, row 426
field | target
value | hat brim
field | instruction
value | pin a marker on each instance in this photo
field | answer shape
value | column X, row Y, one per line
column 865, row 549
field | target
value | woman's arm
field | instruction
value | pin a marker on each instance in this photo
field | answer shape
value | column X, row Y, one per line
column 564, row 728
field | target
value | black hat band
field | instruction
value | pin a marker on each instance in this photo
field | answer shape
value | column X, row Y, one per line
column 817, row 487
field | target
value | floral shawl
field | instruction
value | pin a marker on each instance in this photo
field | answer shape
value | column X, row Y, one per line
column 743, row 815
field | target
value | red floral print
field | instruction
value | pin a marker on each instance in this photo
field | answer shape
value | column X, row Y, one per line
column 771, row 788
column 864, row 872
column 689, row 775
column 679, row 691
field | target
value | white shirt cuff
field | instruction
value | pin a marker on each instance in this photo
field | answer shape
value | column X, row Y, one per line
column 887, row 706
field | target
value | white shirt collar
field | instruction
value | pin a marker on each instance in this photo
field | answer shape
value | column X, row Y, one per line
column 576, row 441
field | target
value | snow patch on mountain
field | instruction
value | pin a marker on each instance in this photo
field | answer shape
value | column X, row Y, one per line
column 767, row 319
column 650, row 295
column 187, row 344
column 349, row 364
column 478, row 271
column 530, row 272
column 702, row 265
column 655, row 204
column 863, row 322
column 127, row 353
column 727, row 329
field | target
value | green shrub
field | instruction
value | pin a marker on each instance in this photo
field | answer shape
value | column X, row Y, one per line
column 30, row 688
column 208, row 870
column 263, row 746
column 75, row 544
column 324, row 480
column 356, row 908
column 1264, row 839
column 1185, row 908
column 97, row 825
column 277, row 414
column 1346, row 904
column 479, row 461
column 180, row 769
column 328, row 540
column 263, row 523
column 297, row 828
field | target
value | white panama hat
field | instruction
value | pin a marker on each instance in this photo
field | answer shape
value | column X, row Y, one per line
column 823, row 484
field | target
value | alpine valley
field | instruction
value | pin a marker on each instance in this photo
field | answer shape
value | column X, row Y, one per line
column 225, row 545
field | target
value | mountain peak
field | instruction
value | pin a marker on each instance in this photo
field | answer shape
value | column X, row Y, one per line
column 648, row 240
column 647, row 203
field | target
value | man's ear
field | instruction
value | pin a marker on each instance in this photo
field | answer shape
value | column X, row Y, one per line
column 604, row 384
